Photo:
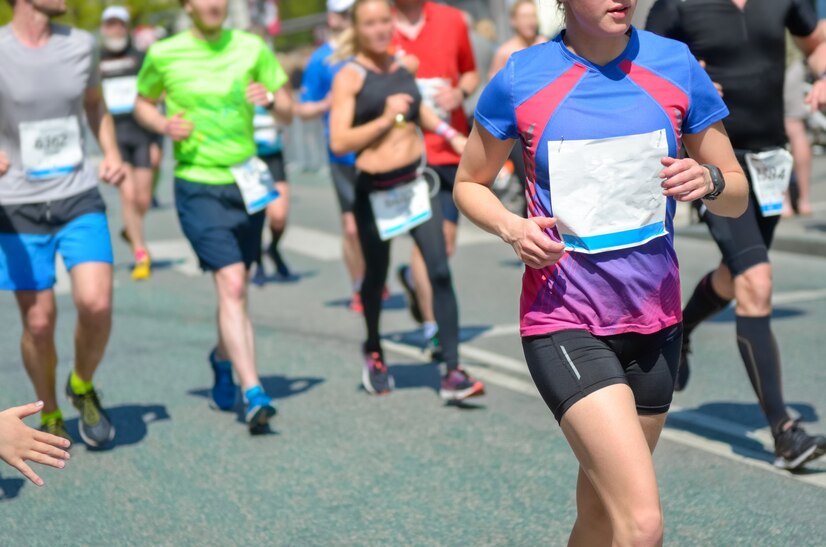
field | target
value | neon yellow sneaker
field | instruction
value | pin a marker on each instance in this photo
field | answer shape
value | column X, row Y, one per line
column 143, row 266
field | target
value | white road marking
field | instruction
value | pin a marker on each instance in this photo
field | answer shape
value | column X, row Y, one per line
column 178, row 252
column 312, row 243
column 521, row 383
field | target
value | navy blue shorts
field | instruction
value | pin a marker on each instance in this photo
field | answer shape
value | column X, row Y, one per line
column 447, row 176
column 215, row 221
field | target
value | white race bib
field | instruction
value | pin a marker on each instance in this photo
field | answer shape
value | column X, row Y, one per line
column 770, row 173
column 429, row 87
column 256, row 184
column 50, row 148
column 120, row 94
column 606, row 194
column 400, row 209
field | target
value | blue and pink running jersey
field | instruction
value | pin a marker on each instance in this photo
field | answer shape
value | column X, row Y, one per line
column 606, row 123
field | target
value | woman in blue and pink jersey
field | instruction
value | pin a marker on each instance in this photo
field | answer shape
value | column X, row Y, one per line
column 601, row 112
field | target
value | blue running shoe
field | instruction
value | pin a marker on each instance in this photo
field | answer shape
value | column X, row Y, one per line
column 223, row 392
column 259, row 409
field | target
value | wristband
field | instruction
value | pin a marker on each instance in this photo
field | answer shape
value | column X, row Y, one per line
column 444, row 130
column 270, row 100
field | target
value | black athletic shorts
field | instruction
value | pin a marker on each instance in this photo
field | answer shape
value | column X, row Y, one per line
column 744, row 241
column 275, row 163
column 569, row 365
column 133, row 143
column 217, row 225
column 344, row 181
column 447, row 176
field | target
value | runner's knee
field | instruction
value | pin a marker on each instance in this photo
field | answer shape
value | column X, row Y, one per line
column 753, row 290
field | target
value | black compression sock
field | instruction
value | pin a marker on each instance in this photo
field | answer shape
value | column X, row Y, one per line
column 762, row 359
column 703, row 304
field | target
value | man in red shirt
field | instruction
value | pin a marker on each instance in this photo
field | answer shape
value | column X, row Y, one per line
column 438, row 36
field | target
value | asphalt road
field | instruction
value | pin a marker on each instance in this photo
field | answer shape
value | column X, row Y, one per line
column 342, row 468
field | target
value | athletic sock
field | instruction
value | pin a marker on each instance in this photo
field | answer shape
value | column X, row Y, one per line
column 79, row 387
column 704, row 303
column 429, row 329
column 141, row 254
column 762, row 359
column 357, row 286
column 46, row 417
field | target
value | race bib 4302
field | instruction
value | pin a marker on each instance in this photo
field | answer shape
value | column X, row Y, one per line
column 50, row 148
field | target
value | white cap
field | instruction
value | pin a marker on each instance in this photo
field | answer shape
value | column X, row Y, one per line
column 116, row 12
column 339, row 5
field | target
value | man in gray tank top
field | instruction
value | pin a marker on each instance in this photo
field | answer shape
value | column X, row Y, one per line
column 49, row 202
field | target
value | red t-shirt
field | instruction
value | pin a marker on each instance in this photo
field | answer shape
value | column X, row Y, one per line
column 443, row 49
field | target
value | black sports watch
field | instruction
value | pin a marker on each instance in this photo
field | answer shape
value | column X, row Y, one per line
column 718, row 181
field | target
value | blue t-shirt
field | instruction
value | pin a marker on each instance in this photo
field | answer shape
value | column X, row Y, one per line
column 593, row 137
column 317, row 84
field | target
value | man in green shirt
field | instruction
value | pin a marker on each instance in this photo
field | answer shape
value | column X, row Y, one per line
column 211, row 80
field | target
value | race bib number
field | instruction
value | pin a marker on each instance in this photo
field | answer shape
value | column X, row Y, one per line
column 256, row 184
column 120, row 94
column 606, row 194
column 51, row 148
column 400, row 209
column 770, row 173
column 429, row 88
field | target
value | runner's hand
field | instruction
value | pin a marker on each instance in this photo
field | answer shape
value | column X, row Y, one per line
column 816, row 98
column 449, row 98
column 112, row 171
column 717, row 86
column 458, row 143
column 257, row 94
column 177, row 128
column 19, row 442
column 532, row 244
column 4, row 163
column 685, row 180
column 397, row 104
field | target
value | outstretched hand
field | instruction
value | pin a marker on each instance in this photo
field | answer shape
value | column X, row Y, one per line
column 19, row 442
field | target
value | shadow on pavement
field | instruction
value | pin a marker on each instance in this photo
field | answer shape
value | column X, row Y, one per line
column 727, row 315
column 10, row 488
column 416, row 338
column 262, row 279
column 416, row 375
column 131, row 424
column 732, row 423
column 277, row 387
column 394, row 302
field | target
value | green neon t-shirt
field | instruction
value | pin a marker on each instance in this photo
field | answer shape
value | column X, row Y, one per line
column 207, row 82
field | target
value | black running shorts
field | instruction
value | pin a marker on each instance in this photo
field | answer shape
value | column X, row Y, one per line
column 569, row 365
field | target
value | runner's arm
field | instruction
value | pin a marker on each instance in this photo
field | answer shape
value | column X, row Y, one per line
column 283, row 105
column 101, row 122
column 712, row 146
column 430, row 121
column 483, row 158
column 312, row 109
column 111, row 169
column 344, row 138
column 147, row 114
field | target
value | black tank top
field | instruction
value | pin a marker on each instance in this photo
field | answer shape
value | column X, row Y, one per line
column 377, row 87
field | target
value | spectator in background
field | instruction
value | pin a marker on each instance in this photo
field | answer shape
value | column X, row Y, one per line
column 525, row 24
column 795, row 113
